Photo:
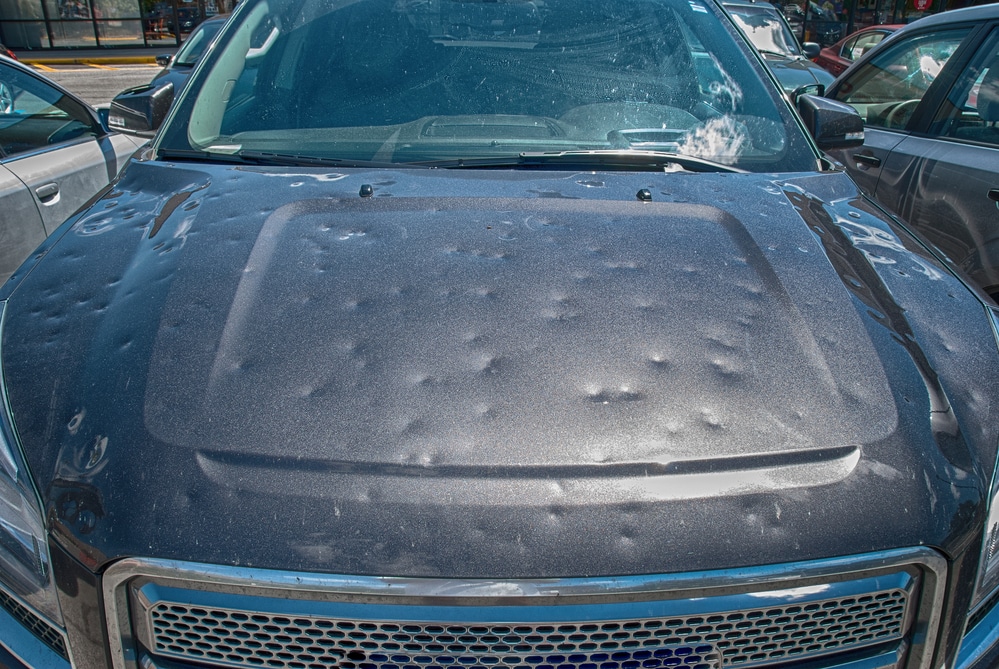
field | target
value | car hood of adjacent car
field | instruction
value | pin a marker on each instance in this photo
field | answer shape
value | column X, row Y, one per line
column 494, row 373
column 793, row 73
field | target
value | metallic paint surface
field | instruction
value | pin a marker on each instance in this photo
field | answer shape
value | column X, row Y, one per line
column 483, row 377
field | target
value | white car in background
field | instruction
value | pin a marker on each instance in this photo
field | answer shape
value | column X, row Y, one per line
column 55, row 154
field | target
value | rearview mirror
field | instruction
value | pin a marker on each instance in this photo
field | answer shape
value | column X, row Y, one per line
column 141, row 110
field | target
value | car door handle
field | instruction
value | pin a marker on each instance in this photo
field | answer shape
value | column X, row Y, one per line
column 870, row 161
column 47, row 192
column 994, row 194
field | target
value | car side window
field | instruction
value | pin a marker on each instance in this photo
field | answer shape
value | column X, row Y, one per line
column 972, row 109
column 863, row 44
column 35, row 115
column 887, row 89
column 847, row 50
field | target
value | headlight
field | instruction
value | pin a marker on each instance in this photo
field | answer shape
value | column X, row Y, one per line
column 25, row 569
column 988, row 572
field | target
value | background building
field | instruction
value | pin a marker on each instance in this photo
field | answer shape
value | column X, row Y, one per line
column 68, row 24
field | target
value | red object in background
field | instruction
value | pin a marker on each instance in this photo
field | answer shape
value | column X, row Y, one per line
column 922, row 5
column 839, row 56
column 7, row 52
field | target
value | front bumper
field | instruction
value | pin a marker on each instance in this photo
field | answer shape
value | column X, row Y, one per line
column 717, row 620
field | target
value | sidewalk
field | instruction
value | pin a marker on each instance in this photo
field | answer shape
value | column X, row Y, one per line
column 94, row 56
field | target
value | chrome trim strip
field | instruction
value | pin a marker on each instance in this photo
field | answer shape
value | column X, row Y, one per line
column 519, row 592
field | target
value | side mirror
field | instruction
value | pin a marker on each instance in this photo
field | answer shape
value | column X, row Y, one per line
column 141, row 110
column 103, row 113
column 833, row 125
column 164, row 59
column 810, row 49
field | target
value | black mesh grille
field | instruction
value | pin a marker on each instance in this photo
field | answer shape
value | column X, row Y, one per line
column 743, row 638
column 50, row 636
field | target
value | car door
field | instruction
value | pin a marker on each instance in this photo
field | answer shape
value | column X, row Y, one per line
column 944, row 179
column 888, row 89
column 56, row 146
column 21, row 227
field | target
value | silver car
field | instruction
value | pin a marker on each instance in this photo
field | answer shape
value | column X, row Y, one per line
column 55, row 154
column 929, row 95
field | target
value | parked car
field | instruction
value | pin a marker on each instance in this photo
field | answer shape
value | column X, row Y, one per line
column 494, row 334
column 177, row 68
column 931, row 154
column 55, row 154
column 839, row 56
column 769, row 32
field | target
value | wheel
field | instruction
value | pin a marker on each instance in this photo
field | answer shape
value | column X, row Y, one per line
column 6, row 99
column 900, row 114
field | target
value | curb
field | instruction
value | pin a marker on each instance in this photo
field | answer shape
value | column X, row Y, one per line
column 87, row 60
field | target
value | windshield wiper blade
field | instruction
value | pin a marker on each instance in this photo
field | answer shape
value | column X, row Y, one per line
column 603, row 158
column 267, row 158
column 301, row 160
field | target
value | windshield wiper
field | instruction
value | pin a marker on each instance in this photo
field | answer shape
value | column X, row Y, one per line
column 266, row 158
column 301, row 160
column 602, row 158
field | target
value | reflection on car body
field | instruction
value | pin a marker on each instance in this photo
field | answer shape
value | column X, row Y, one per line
column 930, row 153
column 494, row 334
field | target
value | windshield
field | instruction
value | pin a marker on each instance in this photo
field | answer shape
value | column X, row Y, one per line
column 765, row 29
column 439, row 82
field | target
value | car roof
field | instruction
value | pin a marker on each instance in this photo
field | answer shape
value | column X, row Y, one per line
column 976, row 13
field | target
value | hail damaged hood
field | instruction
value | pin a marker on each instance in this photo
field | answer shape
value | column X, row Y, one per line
column 481, row 375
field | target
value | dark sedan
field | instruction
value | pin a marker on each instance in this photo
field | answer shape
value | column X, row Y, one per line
column 929, row 96
column 512, row 335
column 769, row 32
column 178, row 67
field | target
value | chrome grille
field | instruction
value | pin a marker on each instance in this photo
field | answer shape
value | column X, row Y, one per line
column 823, row 615
column 240, row 638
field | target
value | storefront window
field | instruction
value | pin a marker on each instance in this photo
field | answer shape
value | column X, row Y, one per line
column 24, row 34
column 120, row 33
column 68, row 9
column 73, row 33
column 12, row 10
column 116, row 9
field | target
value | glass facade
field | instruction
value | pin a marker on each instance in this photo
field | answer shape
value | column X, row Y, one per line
column 828, row 21
column 68, row 24
column 45, row 24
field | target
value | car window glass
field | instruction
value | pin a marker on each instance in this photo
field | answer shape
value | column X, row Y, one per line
column 415, row 82
column 863, row 44
column 765, row 29
column 847, row 50
column 972, row 109
column 887, row 89
column 196, row 44
column 34, row 115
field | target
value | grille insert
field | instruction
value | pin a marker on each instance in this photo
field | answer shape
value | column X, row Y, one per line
column 41, row 629
column 733, row 638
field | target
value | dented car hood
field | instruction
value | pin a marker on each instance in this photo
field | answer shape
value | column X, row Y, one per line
column 494, row 374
